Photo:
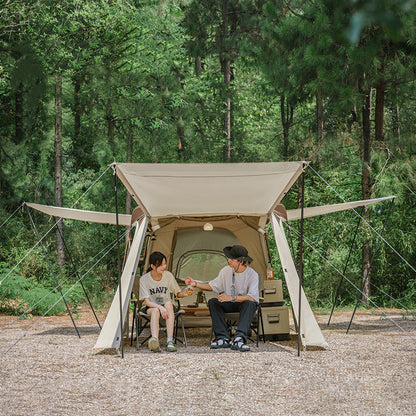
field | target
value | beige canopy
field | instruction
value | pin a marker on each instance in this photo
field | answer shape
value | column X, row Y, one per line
column 208, row 189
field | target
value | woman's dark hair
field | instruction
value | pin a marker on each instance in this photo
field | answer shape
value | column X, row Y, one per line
column 156, row 259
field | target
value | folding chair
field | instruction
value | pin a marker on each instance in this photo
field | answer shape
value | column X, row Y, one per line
column 141, row 321
column 232, row 318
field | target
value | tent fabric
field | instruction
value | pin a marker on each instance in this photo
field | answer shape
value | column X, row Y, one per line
column 109, row 339
column 79, row 214
column 311, row 334
column 245, row 229
column 208, row 189
column 295, row 214
column 198, row 240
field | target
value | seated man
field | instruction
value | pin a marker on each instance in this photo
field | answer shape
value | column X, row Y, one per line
column 238, row 288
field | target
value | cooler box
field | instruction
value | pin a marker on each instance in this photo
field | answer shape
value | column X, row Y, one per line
column 273, row 293
column 275, row 322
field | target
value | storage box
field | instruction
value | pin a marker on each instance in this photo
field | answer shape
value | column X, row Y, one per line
column 275, row 322
column 273, row 293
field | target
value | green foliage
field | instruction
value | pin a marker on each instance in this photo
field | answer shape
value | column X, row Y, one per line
column 130, row 90
column 20, row 295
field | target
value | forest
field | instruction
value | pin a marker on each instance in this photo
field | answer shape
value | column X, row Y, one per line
column 85, row 83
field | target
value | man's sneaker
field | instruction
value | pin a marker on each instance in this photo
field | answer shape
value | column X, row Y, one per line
column 220, row 343
column 154, row 344
column 170, row 347
column 240, row 345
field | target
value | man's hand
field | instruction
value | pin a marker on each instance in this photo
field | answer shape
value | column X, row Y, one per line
column 190, row 281
column 225, row 298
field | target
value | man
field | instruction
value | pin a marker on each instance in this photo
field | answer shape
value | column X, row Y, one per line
column 238, row 288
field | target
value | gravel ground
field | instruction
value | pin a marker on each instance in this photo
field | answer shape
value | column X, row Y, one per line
column 50, row 371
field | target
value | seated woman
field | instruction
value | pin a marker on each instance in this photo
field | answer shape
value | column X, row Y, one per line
column 156, row 288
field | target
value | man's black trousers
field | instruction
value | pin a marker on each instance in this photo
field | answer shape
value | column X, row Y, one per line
column 217, row 309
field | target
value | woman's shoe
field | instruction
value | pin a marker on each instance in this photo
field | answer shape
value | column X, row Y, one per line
column 154, row 345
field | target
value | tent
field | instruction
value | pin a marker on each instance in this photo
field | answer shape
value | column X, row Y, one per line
column 186, row 209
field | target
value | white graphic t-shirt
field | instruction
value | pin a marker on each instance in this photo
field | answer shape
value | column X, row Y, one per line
column 158, row 291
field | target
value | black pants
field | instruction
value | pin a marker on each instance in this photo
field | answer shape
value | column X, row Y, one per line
column 217, row 309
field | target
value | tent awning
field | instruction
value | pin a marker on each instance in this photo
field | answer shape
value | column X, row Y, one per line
column 208, row 189
column 83, row 215
column 295, row 214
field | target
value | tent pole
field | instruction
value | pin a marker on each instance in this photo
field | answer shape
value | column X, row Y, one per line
column 345, row 268
column 118, row 265
column 53, row 273
column 371, row 263
column 301, row 258
column 78, row 276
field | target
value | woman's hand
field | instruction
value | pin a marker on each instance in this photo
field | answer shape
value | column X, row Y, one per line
column 163, row 312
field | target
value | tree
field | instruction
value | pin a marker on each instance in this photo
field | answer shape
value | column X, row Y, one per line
column 218, row 28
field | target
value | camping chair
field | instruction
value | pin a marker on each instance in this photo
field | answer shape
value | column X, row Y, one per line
column 232, row 318
column 141, row 321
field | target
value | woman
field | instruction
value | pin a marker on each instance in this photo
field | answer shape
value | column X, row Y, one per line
column 156, row 288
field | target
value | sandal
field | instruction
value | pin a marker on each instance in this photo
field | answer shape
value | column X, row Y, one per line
column 240, row 345
column 170, row 347
column 220, row 343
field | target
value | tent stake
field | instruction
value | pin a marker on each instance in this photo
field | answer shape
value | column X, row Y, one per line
column 53, row 273
column 345, row 268
column 371, row 263
column 301, row 259
column 118, row 266
column 79, row 278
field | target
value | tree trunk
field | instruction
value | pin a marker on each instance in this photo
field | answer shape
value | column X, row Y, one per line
column 129, row 159
column 198, row 65
column 180, row 131
column 110, row 125
column 109, row 116
column 180, row 128
column 18, row 115
column 77, row 110
column 319, row 114
column 226, row 70
column 396, row 120
column 366, row 190
column 58, row 167
column 286, row 115
column 227, row 115
column 379, row 112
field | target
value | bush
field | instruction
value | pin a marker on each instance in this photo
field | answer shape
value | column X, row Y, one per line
column 19, row 295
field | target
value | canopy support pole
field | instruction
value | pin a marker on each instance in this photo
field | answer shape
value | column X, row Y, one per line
column 345, row 269
column 119, row 266
column 78, row 276
column 371, row 263
column 301, row 258
column 53, row 273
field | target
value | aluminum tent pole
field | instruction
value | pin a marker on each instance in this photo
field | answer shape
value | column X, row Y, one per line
column 301, row 258
column 119, row 265
column 79, row 277
column 345, row 269
column 53, row 273
column 371, row 263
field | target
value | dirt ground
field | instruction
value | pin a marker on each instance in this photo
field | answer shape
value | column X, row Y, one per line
column 45, row 369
